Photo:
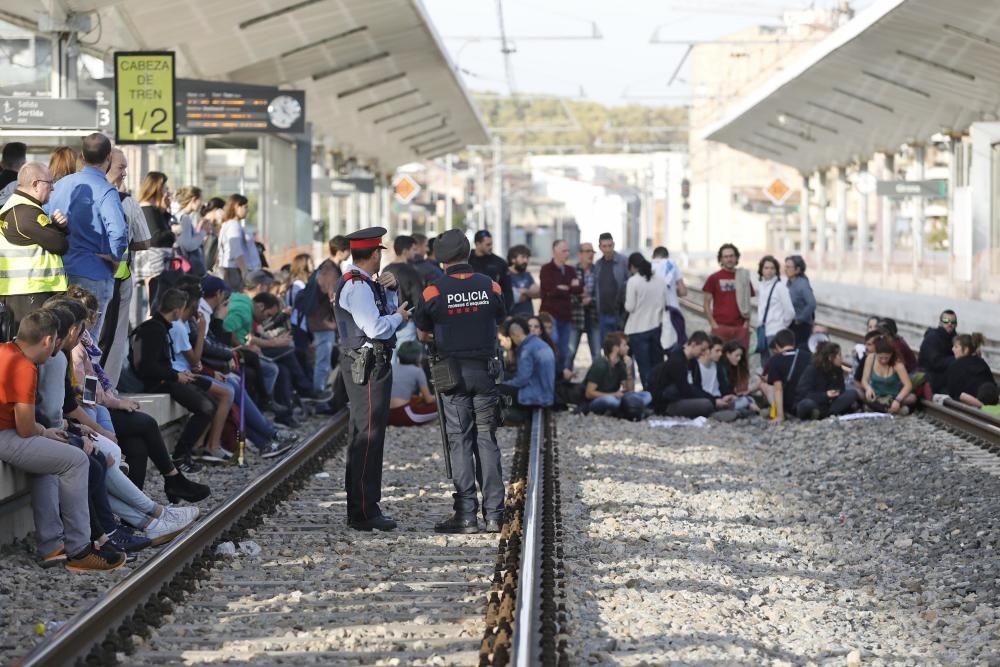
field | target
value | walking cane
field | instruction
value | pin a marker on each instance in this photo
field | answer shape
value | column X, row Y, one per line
column 241, row 438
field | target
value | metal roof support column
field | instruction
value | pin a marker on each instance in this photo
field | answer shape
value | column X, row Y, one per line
column 804, row 215
column 351, row 220
column 887, row 219
column 498, row 231
column 841, row 215
column 447, row 193
column 917, row 225
column 385, row 192
column 861, row 243
column 822, row 202
column 334, row 212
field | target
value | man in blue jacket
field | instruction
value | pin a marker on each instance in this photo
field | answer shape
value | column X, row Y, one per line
column 98, row 233
column 535, row 379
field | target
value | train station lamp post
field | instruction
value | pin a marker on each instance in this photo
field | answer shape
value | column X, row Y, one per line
column 804, row 215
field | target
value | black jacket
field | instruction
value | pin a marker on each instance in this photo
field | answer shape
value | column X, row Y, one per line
column 152, row 354
column 410, row 284
column 936, row 356
column 497, row 270
column 966, row 375
column 669, row 382
column 814, row 384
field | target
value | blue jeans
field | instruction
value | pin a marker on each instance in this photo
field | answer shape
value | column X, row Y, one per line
column 323, row 343
column 125, row 498
column 562, row 330
column 407, row 332
column 593, row 341
column 646, row 351
column 259, row 430
column 608, row 323
column 103, row 290
column 606, row 404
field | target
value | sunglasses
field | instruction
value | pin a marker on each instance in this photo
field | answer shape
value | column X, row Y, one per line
column 947, row 321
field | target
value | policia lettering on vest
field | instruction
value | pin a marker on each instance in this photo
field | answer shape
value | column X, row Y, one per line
column 461, row 311
column 367, row 320
column 31, row 249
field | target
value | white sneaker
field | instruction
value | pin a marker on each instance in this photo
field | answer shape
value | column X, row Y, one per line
column 220, row 453
column 165, row 528
column 273, row 450
column 184, row 513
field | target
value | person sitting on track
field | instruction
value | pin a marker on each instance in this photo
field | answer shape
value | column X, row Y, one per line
column 989, row 396
column 821, row 391
column 534, row 383
column 708, row 376
column 676, row 391
column 736, row 366
column 969, row 372
column 782, row 373
column 867, row 350
column 903, row 350
column 885, row 382
column 64, row 538
column 935, row 350
column 611, row 378
column 411, row 402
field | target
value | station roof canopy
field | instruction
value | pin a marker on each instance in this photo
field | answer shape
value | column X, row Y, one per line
column 899, row 72
column 377, row 78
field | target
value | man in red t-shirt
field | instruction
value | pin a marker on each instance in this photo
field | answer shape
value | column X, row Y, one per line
column 722, row 308
column 26, row 444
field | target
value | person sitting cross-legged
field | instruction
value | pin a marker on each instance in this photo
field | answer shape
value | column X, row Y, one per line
column 885, row 381
column 611, row 378
column 821, row 390
column 411, row 402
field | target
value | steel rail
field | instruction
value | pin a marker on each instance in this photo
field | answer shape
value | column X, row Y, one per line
column 90, row 627
column 527, row 631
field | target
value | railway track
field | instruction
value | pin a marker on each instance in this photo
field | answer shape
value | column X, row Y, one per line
column 321, row 593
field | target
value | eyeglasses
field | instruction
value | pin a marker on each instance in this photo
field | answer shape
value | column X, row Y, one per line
column 40, row 180
column 948, row 321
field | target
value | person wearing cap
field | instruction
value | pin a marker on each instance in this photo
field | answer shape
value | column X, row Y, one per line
column 367, row 319
column 484, row 261
column 460, row 312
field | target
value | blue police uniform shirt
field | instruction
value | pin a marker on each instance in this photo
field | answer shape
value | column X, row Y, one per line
column 356, row 297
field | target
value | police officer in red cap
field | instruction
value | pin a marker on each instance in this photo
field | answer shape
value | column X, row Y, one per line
column 367, row 319
column 461, row 311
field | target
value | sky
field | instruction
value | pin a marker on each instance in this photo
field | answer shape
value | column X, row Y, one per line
column 622, row 67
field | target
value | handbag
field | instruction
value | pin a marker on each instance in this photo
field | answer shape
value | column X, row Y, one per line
column 762, row 327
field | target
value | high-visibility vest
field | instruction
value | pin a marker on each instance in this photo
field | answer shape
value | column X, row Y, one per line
column 28, row 269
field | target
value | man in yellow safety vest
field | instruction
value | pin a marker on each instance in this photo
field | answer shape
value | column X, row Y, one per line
column 31, row 249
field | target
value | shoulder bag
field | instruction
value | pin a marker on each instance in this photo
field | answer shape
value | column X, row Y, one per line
column 762, row 327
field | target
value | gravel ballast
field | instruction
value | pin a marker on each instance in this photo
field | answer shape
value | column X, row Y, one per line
column 871, row 542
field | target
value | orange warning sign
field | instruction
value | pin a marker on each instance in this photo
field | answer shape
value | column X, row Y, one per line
column 778, row 191
column 406, row 188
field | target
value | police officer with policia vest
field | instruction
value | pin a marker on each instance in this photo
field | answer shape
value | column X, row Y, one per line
column 31, row 248
column 367, row 319
column 461, row 311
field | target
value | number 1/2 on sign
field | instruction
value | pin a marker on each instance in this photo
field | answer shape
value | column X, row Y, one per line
column 144, row 97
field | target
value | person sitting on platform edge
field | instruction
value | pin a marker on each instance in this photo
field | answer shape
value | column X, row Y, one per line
column 27, row 445
column 412, row 403
column 610, row 382
column 461, row 311
column 534, row 383
column 821, row 390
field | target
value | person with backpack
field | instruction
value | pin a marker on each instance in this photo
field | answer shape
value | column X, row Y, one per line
column 774, row 306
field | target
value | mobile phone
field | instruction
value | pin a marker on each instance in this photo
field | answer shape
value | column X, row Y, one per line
column 90, row 389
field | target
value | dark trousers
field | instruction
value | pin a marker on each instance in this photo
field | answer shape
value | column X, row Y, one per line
column 290, row 375
column 102, row 519
column 646, row 351
column 202, row 409
column 366, row 437
column 470, row 416
column 802, row 331
column 690, row 408
column 680, row 327
column 16, row 307
column 841, row 405
column 110, row 322
column 140, row 440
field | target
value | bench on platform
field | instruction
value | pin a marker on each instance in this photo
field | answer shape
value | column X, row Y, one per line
column 15, row 495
